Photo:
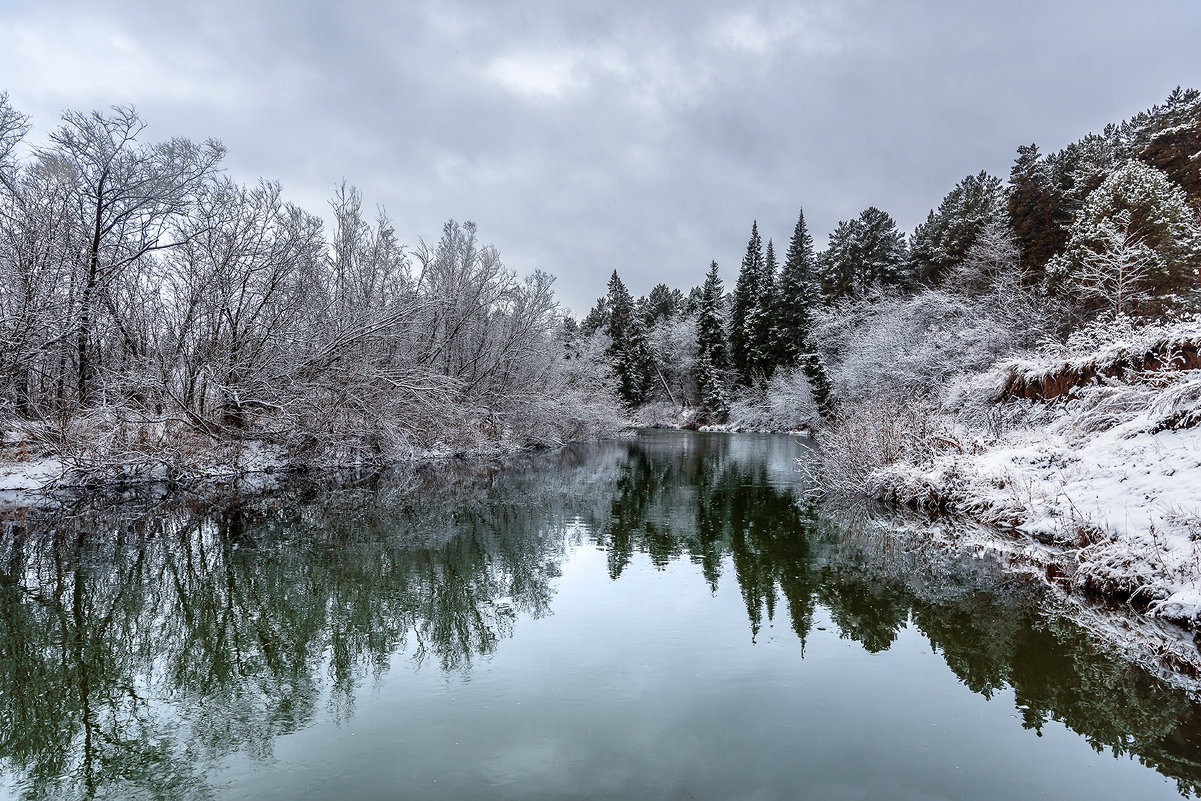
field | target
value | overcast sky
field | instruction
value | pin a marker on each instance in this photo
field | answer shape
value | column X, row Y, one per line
column 587, row 136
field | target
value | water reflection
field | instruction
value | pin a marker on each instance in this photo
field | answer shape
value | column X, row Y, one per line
column 143, row 643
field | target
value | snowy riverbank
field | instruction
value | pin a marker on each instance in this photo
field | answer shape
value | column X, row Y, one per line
column 29, row 467
column 1102, row 481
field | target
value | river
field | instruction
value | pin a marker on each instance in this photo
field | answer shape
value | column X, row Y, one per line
column 665, row 617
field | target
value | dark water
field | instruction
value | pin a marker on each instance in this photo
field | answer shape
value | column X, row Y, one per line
column 664, row 618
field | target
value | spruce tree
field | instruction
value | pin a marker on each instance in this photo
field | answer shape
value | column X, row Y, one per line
column 761, row 316
column 746, row 297
column 943, row 240
column 628, row 348
column 711, row 346
column 798, row 295
column 710, row 324
column 596, row 319
column 570, row 333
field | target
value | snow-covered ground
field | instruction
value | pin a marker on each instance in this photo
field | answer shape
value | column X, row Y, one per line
column 32, row 474
column 1104, row 480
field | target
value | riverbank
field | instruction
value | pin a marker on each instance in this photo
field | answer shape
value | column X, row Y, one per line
column 743, row 419
column 1097, row 475
column 31, row 462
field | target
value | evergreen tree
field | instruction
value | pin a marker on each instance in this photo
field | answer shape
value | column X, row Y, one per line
column 710, row 322
column 1168, row 137
column 663, row 304
column 943, row 240
column 1036, row 212
column 864, row 253
column 628, row 348
column 882, row 254
column 1134, row 245
column 798, row 295
column 596, row 319
column 711, row 346
column 742, row 314
column 1087, row 164
column 711, row 384
column 761, row 318
column 837, row 264
column 571, row 337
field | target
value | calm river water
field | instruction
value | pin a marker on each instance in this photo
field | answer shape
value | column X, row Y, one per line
column 660, row 618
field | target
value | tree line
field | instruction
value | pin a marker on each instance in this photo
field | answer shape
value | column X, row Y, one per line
column 1111, row 224
column 149, row 300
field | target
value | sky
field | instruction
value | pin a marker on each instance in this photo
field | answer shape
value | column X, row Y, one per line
column 590, row 136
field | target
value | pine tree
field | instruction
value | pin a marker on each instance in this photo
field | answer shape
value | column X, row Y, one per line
column 711, row 346
column 1036, row 212
column 882, row 254
column 1168, row 137
column 837, row 264
column 746, row 297
column 864, row 253
column 943, row 240
column 1087, row 164
column 628, row 348
column 798, row 295
column 1134, row 245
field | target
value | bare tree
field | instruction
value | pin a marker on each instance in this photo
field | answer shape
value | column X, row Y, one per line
column 992, row 257
column 124, row 199
column 165, row 314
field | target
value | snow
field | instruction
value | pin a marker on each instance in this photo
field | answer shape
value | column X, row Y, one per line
column 1112, row 480
column 1097, row 472
column 33, row 474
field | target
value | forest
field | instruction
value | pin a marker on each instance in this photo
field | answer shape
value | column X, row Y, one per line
column 1106, row 228
column 158, row 319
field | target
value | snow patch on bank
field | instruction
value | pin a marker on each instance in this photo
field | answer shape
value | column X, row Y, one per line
column 33, row 474
column 1110, row 478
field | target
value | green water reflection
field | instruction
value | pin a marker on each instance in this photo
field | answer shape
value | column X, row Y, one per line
column 163, row 648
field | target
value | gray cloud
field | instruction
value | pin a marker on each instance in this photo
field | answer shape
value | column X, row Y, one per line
column 610, row 135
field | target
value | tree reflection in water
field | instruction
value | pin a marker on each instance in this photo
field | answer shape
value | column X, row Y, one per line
column 143, row 642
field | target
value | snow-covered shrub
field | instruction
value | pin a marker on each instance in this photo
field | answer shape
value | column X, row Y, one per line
column 1178, row 406
column 1108, row 347
column 882, row 430
column 1112, row 338
column 919, row 343
column 1101, row 407
column 784, row 404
